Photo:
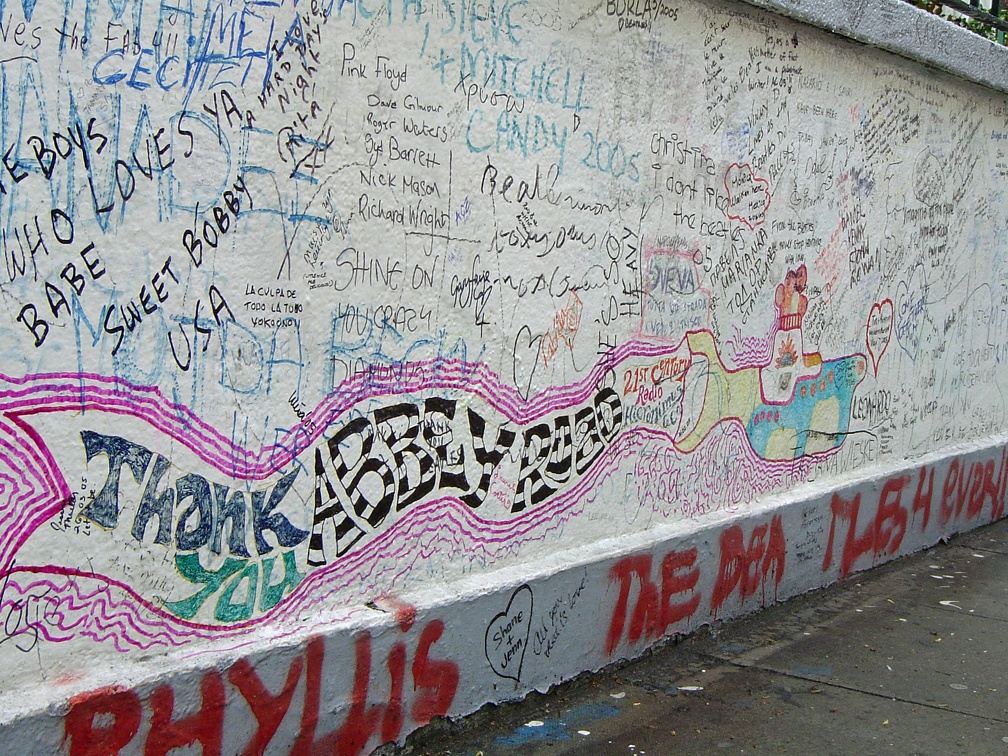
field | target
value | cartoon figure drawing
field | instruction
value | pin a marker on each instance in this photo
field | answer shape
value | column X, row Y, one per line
column 789, row 363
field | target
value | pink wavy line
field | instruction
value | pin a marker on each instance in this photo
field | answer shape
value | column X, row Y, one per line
column 113, row 611
column 81, row 392
column 99, row 616
column 445, row 526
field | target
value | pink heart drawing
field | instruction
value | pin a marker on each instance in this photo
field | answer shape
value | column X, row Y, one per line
column 879, row 330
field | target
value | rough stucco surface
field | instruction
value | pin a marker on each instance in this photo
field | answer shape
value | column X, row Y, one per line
column 900, row 27
column 366, row 363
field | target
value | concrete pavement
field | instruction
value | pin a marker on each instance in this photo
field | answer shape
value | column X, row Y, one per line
column 906, row 658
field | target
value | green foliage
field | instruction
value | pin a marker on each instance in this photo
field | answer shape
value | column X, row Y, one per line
column 978, row 27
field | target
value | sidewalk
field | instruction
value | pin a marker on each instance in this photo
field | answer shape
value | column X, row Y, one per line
column 906, row 658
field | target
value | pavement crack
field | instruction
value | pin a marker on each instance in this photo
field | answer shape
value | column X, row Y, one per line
column 989, row 549
column 851, row 688
column 968, row 613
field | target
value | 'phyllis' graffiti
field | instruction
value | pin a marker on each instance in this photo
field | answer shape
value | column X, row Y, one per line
column 402, row 454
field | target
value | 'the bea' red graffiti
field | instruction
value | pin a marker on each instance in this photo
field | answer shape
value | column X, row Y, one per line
column 660, row 607
column 653, row 616
column 747, row 567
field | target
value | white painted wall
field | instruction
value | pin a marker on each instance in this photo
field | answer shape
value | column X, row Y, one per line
column 482, row 343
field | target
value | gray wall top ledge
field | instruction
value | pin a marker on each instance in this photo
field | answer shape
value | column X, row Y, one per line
column 906, row 30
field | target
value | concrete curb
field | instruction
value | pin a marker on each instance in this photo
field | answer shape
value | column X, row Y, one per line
column 448, row 651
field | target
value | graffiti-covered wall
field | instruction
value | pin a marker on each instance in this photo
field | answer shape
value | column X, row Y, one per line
column 431, row 319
